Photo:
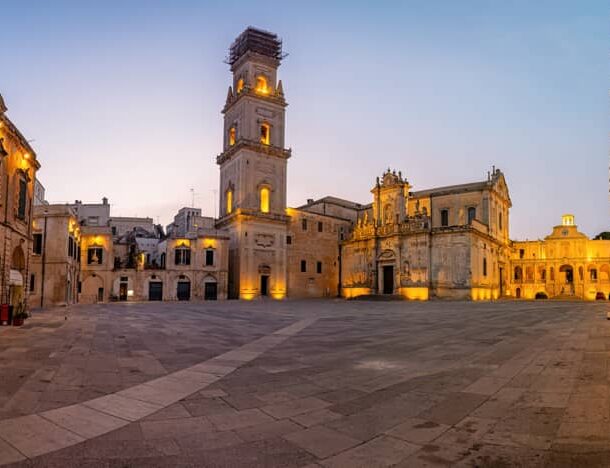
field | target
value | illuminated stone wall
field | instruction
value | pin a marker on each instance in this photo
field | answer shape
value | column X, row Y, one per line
column 317, row 241
column 402, row 234
column 59, row 280
column 18, row 166
column 564, row 264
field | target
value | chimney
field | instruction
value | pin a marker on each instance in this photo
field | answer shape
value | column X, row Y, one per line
column 309, row 201
column 104, row 201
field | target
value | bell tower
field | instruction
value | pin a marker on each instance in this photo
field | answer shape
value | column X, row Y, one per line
column 253, row 167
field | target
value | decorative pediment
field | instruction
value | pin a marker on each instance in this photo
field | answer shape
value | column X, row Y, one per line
column 386, row 255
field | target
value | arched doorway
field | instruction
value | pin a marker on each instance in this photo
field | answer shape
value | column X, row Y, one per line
column 386, row 272
column 183, row 288
column 566, row 274
column 92, row 290
column 265, row 273
column 16, row 276
column 210, row 288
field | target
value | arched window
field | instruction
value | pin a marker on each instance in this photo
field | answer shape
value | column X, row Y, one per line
column 240, row 85
column 265, row 134
column 264, row 196
column 232, row 135
column 261, row 85
column 472, row 214
column 518, row 273
column 229, row 199
column 529, row 273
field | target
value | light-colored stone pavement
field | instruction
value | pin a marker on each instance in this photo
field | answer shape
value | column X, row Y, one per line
column 308, row 383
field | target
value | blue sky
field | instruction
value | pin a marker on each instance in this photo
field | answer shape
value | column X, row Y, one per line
column 123, row 99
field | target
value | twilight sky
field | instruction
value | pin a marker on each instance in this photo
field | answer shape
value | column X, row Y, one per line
column 123, row 99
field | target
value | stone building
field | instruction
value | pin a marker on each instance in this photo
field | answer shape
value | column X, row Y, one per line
column 449, row 242
column 55, row 260
column 92, row 214
column 185, row 221
column 565, row 264
column 97, row 264
column 253, row 168
column 18, row 167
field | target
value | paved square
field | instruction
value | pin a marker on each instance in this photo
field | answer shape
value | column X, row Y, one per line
column 308, row 383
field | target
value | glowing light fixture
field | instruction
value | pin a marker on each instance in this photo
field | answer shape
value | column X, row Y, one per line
column 261, row 85
column 265, row 199
column 229, row 201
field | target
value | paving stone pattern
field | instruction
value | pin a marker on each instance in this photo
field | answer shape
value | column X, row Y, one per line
column 308, row 384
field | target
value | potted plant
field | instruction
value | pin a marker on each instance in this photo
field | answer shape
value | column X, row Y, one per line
column 20, row 315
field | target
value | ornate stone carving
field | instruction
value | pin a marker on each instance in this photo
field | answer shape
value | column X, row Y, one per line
column 264, row 240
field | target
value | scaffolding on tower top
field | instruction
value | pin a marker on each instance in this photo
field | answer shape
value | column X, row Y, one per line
column 257, row 41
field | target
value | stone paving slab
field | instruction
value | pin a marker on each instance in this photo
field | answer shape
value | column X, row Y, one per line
column 84, row 421
column 295, row 383
column 34, row 436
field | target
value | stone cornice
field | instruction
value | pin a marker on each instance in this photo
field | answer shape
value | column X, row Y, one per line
column 255, row 146
column 277, row 99
column 249, row 214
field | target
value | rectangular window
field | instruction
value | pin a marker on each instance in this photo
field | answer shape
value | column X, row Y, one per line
column 70, row 247
column 303, row 266
column 182, row 256
column 95, row 256
column 23, row 186
column 444, row 217
column 79, row 287
column 37, row 244
column 593, row 273
column 521, row 253
column 209, row 257
column 288, row 240
column 472, row 214
column 304, row 224
column 319, row 267
column 320, row 226
column 500, row 221
column 114, row 230
column 484, row 267
column 32, row 283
